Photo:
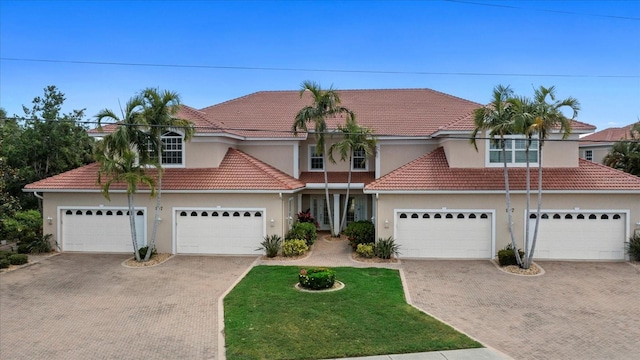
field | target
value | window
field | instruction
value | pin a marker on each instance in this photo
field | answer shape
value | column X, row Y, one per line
column 172, row 149
column 359, row 158
column 515, row 151
column 316, row 162
column 588, row 155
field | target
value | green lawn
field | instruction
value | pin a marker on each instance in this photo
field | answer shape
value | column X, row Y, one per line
column 267, row 318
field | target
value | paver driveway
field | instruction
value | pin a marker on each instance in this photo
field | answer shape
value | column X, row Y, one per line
column 574, row 311
column 81, row 306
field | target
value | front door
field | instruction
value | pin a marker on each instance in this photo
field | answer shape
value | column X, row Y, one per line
column 319, row 212
column 356, row 208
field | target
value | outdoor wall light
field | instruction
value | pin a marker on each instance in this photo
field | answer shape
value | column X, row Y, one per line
column 386, row 224
column 49, row 220
column 272, row 222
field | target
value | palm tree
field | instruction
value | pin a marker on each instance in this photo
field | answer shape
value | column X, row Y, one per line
column 120, row 165
column 547, row 117
column 498, row 119
column 121, row 158
column 355, row 138
column 625, row 154
column 326, row 103
column 159, row 116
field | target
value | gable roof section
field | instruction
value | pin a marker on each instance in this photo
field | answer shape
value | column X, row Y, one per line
column 237, row 172
column 612, row 134
column 431, row 172
column 391, row 112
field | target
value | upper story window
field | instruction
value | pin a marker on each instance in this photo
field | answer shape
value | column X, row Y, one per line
column 515, row 151
column 316, row 162
column 172, row 149
column 588, row 155
column 359, row 160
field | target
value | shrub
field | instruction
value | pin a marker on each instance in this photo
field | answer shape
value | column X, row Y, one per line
column 507, row 256
column 317, row 279
column 365, row 250
column 4, row 263
column 386, row 248
column 305, row 217
column 143, row 251
column 633, row 247
column 24, row 226
column 303, row 230
column 42, row 245
column 5, row 254
column 271, row 245
column 360, row 232
column 23, row 248
column 18, row 259
column 294, row 247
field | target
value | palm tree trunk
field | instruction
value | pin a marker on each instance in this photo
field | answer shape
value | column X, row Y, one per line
column 132, row 223
column 508, row 195
column 535, row 230
column 527, row 212
column 346, row 200
column 326, row 188
column 156, row 219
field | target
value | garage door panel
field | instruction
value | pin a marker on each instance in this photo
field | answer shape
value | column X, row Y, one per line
column 430, row 234
column 580, row 236
column 100, row 230
column 220, row 231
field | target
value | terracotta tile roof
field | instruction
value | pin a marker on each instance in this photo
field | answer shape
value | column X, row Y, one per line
column 607, row 135
column 465, row 123
column 408, row 112
column 337, row 177
column 431, row 172
column 237, row 171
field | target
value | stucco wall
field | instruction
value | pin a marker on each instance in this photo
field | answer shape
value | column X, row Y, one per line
column 205, row 154
column 386, row 204
column 277, row 155
column 395, row 154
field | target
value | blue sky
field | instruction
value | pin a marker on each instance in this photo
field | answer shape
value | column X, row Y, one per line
column 593, row 45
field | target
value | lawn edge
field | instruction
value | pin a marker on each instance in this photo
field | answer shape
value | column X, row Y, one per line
column 222, row 353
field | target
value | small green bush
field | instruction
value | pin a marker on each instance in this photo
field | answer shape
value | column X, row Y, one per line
column 5, row 254
column 633, row 247
column 360, row 232
column 271, row 245
column 143, row 251
column 386, row 248
column 317, row 279
column 294, row 247
column 24, row 226
column 4, row 263
column 507, row 256
column 18, row 259
column 365, row 250
column 42, row 245
column 23, row 248
column 303, row 230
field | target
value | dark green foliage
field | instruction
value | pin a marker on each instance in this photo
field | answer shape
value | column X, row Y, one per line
column 143, row 251
column 5, row 254
column 633, row 247
column 271, row 245
column 317, row 278
column 41, row 245
column 18, row 259
column 303, row 230
column 386, row 248
column 294, row 247
column 24, row 226
column 365, row 250
column 360, row 232
column 23, row 248
column 507, row 256
column 4, row 263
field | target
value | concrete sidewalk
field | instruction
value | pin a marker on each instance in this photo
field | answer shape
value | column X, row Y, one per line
column 465, row 354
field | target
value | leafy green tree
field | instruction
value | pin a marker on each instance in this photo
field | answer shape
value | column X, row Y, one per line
column 497, row 119
column 326, row 104
column 159, row 116
column 44, row 143
column 355, row 138
column 625, row 154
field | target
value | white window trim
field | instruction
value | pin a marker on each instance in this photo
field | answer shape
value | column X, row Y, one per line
column 353, row 162
column 588, row 155
column 487, row 157
column 183, row 151
column 309, row 157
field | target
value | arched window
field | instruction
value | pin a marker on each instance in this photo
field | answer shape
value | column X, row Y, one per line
column 604, row 217
column 235, row 214
column 414, row 216
column 204, row 213
column 449, row 216
column 472, row 216
column 616, row 217
column 460, row 216
column 403, row 216
column 193, row 213
column 592, row 217
column 225, row 214
column 425, row 216
column 532, row 216
column 99, row 212
column 246, row 213
column 215, row 213
column 69, row 212
column 437, row 216
column 119, row 212
column 556, row 216
column 258, row 214
column 580, row 216
column 78, row 212
column 109, row 212
column 545, row 216
column 568, row 216
column 183, row 213
column 89, row 212
column 484, row 216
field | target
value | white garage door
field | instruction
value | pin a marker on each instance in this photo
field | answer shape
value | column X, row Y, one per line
column 220, row 231
column 100, row 230
column 572, row 235
column 445, row 234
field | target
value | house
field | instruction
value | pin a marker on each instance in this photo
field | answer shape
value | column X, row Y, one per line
column 244, row 175
column 596, row 146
